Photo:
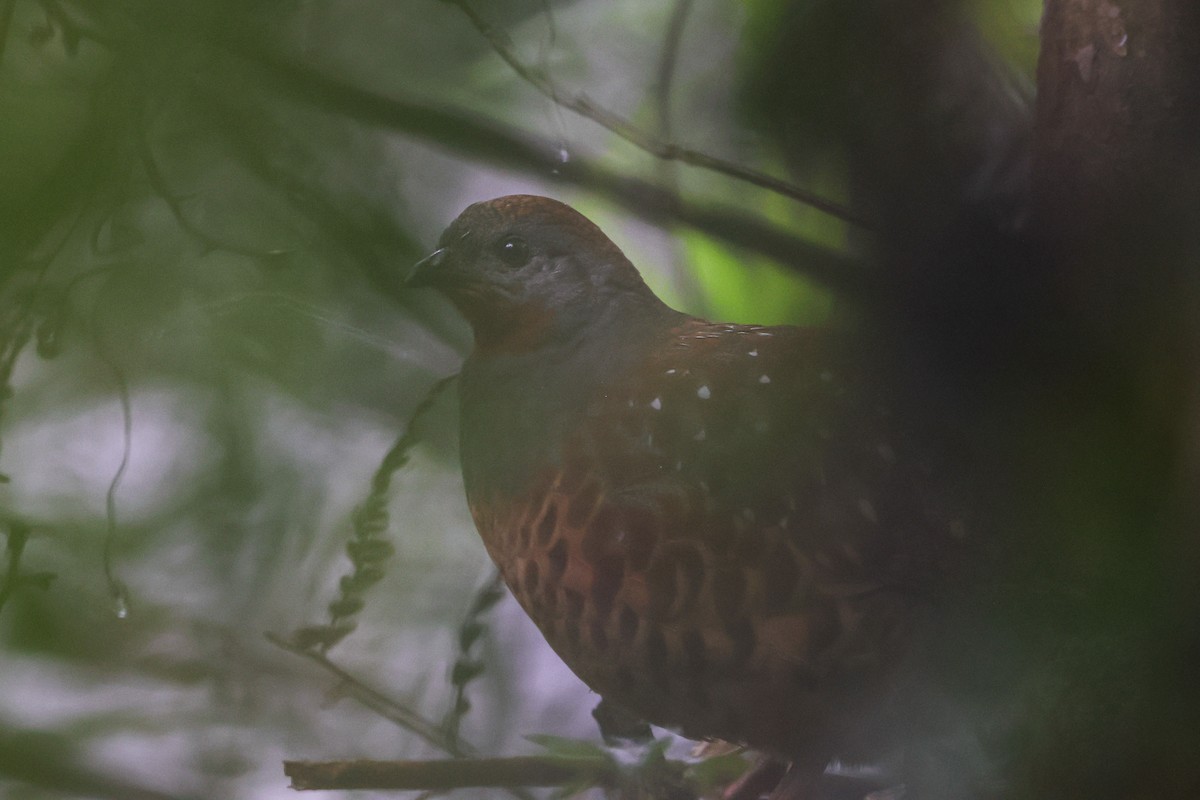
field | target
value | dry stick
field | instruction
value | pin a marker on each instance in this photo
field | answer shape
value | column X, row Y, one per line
column 667, row 151
column 446, row 774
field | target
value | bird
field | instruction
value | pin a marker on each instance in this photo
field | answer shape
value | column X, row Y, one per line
column 716, row 526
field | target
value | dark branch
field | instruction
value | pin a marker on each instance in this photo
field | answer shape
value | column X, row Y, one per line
column 504, row 147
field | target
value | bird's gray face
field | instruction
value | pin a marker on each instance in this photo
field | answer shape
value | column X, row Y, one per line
column 521, row 268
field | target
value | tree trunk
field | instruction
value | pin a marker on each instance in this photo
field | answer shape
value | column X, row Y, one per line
column 1116, row 209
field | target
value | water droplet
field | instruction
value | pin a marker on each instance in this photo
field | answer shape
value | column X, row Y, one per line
column 120, row 600
column 563, row 158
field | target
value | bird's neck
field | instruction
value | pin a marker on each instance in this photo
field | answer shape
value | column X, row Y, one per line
column 514, row 330
column 513, row 397
column 539, row 329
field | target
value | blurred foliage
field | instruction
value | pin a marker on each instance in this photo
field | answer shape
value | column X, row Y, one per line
column 212, row 204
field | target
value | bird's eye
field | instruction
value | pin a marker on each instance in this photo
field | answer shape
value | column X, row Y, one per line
column 513, row 251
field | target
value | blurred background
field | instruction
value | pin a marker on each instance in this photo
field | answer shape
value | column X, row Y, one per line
column 207, row 209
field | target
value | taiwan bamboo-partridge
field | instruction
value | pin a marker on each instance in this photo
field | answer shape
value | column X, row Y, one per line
column 710, row 523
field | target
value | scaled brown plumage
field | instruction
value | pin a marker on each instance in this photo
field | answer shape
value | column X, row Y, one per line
column 714, row 525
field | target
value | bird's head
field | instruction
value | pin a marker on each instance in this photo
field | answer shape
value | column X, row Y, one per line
column 525, row 269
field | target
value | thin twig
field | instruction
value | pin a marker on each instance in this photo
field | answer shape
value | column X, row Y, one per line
column 159, row 184
column 17, row 535
column 392, row 710
column 378, row 702
column 667, row 151
column 448, row 774
column 666, row 65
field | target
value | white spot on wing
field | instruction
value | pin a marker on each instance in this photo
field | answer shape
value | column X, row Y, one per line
column 700, row 436
column 764, row 378
column 656, row 404
column 704, row 392
column 753, row 352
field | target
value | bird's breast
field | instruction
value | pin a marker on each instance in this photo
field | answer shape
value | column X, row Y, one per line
column 684, row 537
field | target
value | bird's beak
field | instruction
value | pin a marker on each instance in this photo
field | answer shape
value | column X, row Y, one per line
column 425, row 271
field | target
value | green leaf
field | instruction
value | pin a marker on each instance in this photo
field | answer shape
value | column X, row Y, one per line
column 371, row 551
column 469, row 634
column 346, row 606
column 656, row 751
column 717, row 771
